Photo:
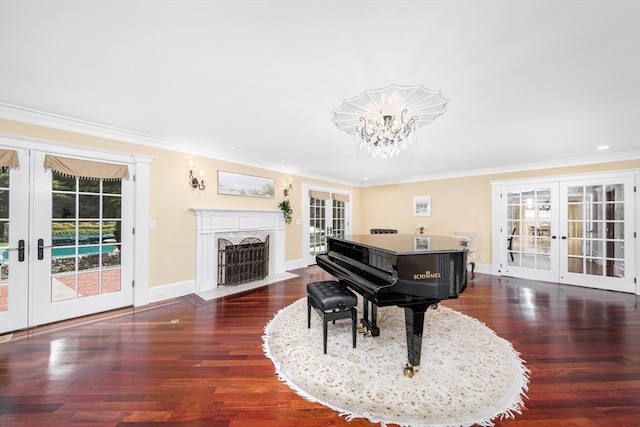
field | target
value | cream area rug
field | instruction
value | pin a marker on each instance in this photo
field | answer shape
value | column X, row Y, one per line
column 468, row 374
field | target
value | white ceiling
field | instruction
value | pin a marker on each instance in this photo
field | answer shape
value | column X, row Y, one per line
column 529, row 83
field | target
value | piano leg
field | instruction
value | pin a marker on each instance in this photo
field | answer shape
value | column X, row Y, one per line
column 370, row 324
column 414, row 322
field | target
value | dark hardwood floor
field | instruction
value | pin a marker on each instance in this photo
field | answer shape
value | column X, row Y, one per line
column 187, row 362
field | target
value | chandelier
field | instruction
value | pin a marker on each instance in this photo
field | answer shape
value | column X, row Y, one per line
column 383, row 121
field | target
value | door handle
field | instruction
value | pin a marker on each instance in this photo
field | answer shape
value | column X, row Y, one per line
column 41, row 248
column 554, row 237
column 564, row 237
column 20, row 250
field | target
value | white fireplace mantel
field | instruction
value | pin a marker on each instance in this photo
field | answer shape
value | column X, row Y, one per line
column 214, row 223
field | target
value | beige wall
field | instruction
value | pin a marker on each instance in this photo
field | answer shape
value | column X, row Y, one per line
column 172, row 242
column 458, row 204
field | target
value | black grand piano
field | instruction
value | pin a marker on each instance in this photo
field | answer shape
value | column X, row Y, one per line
column 406, row 270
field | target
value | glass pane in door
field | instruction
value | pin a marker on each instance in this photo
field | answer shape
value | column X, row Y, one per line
column 595, row 230
column 339, row 215
column 317, row 225
column 529, row 228
column 85, row 231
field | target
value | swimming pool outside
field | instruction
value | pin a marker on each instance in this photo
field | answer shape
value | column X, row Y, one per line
column 82, row 250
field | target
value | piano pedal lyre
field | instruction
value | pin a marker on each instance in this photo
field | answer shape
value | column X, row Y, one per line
column 410, row 370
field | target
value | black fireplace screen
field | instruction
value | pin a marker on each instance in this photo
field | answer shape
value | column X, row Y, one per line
column 244, row 262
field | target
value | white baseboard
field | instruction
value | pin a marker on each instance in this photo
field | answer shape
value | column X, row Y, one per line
column 293, row 265
column 172, row 290
column 482, row 268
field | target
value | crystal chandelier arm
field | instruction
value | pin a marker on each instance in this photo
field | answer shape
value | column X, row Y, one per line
column 410, row 126
column 367, row 130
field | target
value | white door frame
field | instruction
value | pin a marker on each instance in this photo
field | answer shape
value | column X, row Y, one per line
column 306, row 187
column 140, row 174
column 633, row 222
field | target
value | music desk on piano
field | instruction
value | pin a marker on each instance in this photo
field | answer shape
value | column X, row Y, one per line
column 406, row 270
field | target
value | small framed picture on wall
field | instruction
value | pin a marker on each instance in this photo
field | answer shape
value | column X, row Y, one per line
column 422, row 206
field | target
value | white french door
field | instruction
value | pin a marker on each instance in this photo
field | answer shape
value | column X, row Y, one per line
column 68, row 248
column 597, row 225
column 531, row 225
column 14, row 263
column 578, row 230
column 328, row 215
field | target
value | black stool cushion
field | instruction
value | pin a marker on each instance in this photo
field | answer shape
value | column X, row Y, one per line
column 330, row 295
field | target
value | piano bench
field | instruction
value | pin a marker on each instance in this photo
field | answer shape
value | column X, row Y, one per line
column 332, row 300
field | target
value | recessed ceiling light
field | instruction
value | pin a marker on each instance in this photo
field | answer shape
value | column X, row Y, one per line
column 603, row 147
column 233, row 147
column 365, row 179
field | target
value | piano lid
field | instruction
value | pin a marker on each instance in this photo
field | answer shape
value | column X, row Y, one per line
column 407, row 243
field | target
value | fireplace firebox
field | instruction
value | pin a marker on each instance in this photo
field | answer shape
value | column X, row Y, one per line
column 244, row 262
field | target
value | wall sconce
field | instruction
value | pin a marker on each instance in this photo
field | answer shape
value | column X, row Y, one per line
column 193, row 179
column 287, row 186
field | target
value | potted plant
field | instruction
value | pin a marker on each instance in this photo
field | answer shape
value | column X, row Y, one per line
column 285, row 206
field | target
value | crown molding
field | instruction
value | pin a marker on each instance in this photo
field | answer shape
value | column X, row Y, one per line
column 522, row 167
column 54, row 121
column 49, row 120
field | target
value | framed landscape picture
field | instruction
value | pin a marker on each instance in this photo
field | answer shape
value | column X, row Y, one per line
column 422, row 206
column 236, row 184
